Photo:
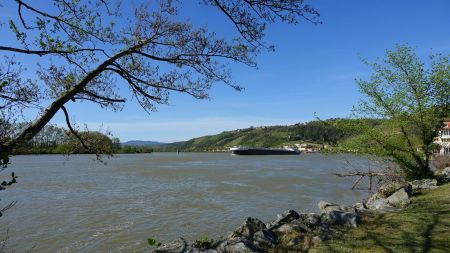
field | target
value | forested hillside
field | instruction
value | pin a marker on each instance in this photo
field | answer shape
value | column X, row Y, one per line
column 320, row 132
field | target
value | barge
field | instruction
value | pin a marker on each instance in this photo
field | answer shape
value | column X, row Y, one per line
column 263, row 151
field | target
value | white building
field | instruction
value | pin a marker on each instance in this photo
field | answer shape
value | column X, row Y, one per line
column 443, row 139
column 307, row 148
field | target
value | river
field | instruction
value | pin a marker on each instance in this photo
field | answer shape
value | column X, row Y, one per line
column 77, row 204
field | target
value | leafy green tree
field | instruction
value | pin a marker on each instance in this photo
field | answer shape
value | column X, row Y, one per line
column 90, row 142
column 51, row 139
column 116, row 144
column 411, row 98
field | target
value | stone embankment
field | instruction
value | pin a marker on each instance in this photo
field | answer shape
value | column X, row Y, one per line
column 298, row 231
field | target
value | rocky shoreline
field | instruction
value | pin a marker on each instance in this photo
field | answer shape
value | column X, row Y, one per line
column 297, row 232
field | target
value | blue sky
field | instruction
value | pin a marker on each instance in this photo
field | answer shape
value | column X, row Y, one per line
column 311, row 72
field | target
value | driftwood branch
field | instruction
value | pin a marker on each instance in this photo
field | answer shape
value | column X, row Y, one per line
column 362, row 174
column 356, row 182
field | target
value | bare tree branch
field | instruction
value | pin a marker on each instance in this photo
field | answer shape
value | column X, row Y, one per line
column 113, row 100
column 72, row 130
column 46, row 52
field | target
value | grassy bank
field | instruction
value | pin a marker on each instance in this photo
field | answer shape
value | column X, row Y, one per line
column 422, row 227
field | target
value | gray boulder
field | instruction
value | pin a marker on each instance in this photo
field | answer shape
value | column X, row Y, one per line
column 342, row 218
column 293, row 227
column 311, row 220
column 326, row 207
column 443, row 176
column 231, row 246
column 248, row 228
column 418, row 185
column 388, row 189
column 338, row 214
column 446, row 172
column 263, row 240
column 376, row 202
column 284, row 218
column 399, row 199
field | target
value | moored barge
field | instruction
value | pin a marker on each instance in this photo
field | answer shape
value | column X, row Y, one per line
column 263, row 151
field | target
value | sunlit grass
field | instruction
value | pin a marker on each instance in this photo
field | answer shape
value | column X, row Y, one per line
column 422, row 227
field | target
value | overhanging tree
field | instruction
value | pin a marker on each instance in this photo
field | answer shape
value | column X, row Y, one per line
column 411, row 98
column 87, row 50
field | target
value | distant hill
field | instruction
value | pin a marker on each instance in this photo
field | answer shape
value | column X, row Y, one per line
column 319, row 132
column 137, row 143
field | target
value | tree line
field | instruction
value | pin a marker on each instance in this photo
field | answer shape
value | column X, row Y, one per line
column 57, row 140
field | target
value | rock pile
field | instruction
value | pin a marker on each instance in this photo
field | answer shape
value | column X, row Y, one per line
column 290, row 230
column 443, row 176
column 396, row 194
column 297, row 231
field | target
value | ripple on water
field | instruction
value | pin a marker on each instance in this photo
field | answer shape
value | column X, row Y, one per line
column 79, row 205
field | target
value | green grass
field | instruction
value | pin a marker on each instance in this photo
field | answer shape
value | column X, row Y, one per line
column 422, row 227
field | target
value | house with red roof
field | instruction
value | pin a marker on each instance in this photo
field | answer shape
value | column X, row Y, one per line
column 443, row 139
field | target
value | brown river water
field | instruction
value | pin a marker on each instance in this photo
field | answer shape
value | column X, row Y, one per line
column 77, row 204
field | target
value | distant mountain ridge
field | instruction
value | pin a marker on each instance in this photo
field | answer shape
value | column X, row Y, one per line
column 139, row 143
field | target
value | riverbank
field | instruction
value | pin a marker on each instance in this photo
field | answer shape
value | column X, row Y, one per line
column 401, row 217
column 424, row 226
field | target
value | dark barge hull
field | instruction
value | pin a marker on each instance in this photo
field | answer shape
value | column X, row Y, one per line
column 261, row 151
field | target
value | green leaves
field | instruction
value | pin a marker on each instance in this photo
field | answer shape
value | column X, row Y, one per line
column 21, row 36
column 203, row 242
column 42, row 44
column 412, row 100
column 4, row 160
column 153, row 242
column 3, row 84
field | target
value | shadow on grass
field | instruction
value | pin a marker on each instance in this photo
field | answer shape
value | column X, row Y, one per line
column 427, row 234
column 391, row 235
column 380, row 243
column 409, row 239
